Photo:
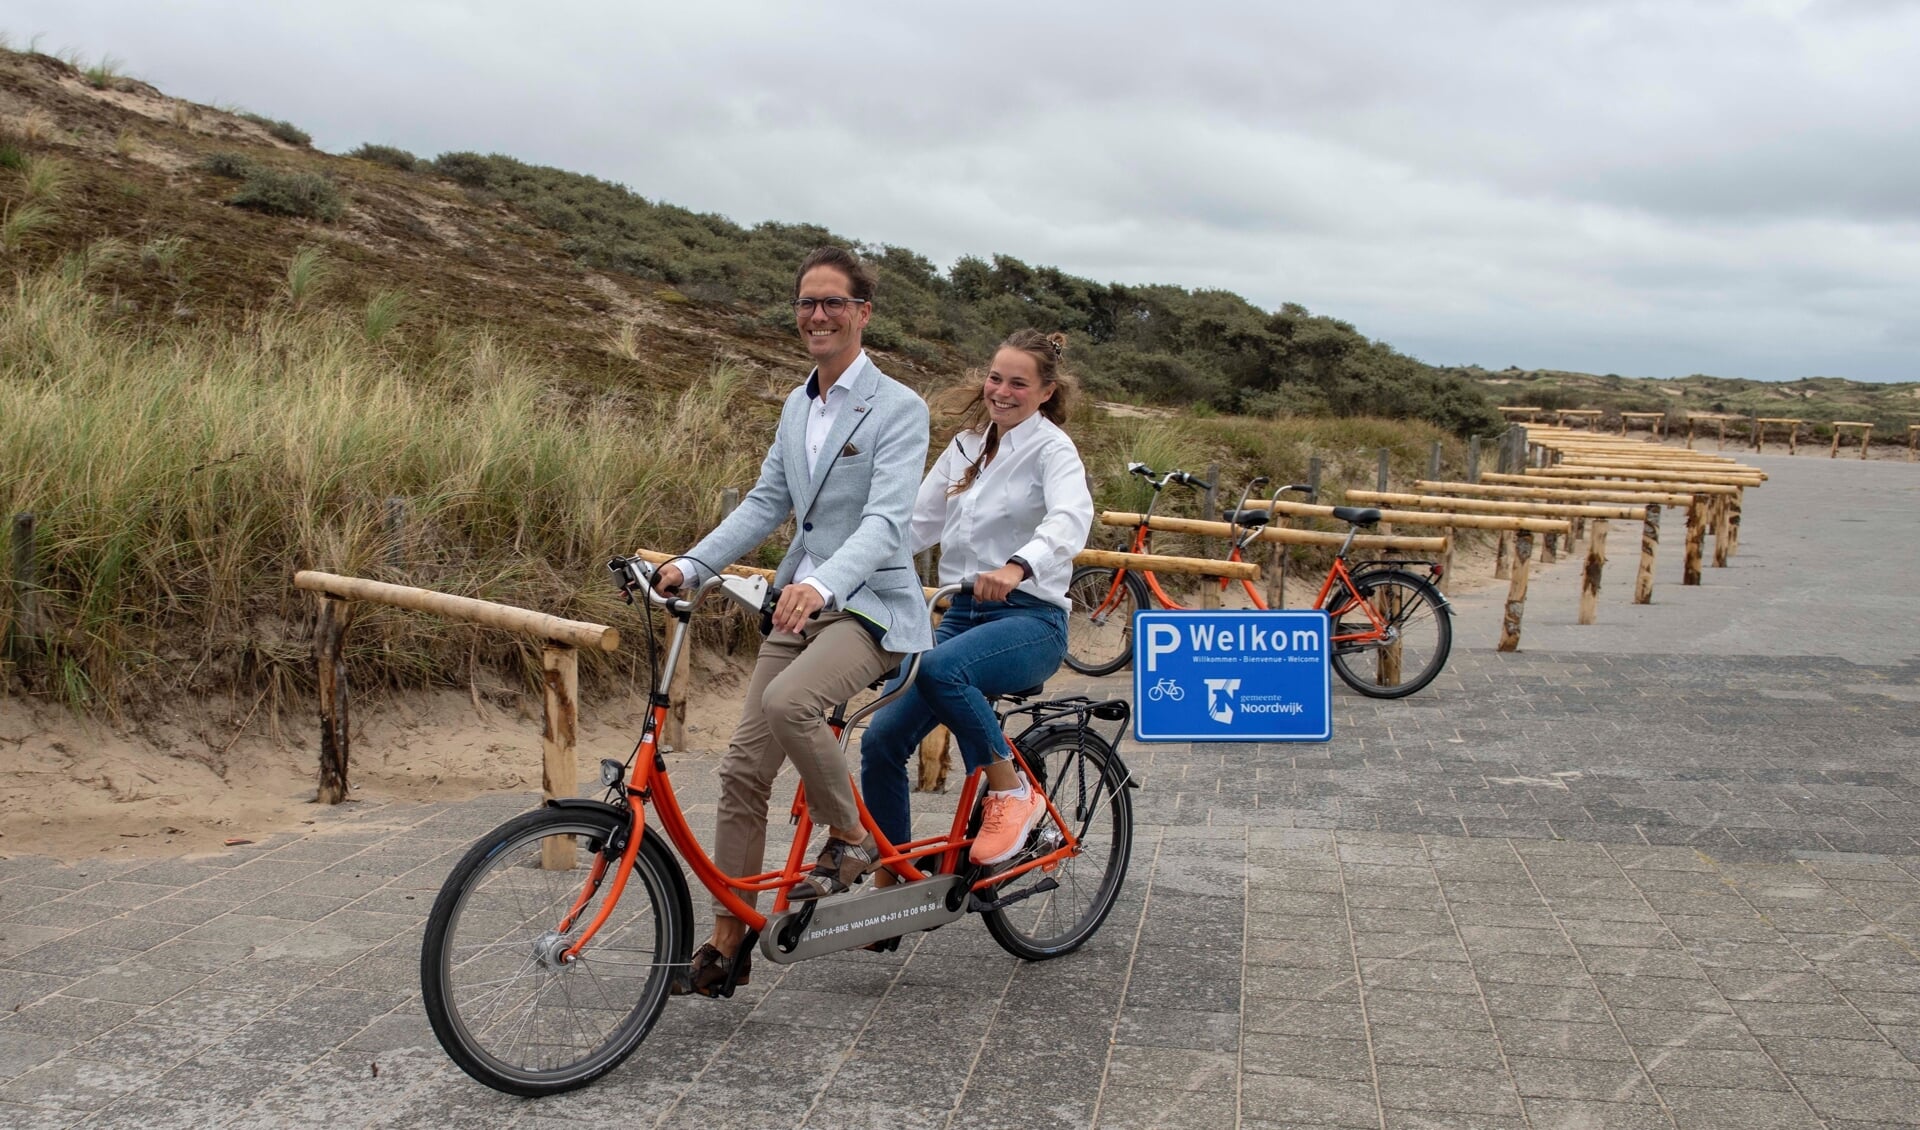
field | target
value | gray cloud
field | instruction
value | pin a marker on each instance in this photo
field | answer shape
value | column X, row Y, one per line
column 1655, row 187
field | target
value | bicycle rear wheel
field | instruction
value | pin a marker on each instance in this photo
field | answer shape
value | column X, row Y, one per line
column 1414, row 647
column 1083, row 776
column 1100, row 623
column 503, row 1005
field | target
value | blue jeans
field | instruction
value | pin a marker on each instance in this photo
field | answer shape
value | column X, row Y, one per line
column 979, row 649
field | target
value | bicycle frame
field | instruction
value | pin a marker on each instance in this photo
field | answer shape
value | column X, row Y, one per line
column 644, row 781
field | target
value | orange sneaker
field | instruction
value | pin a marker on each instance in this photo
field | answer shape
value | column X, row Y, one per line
column 1004, row 826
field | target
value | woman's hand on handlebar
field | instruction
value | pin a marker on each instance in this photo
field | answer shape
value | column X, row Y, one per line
column 997, row 584
column 667, row 579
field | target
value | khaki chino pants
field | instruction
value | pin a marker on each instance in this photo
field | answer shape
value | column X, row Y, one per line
column 797, row 680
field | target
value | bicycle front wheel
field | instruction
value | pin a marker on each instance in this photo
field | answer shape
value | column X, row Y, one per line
column 1405, row 655
column 504, row 1005
column 1100, row 623
column 1083, row 776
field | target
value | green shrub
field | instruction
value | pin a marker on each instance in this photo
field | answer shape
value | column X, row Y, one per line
column 12, row 156
column 290, row 194
column 390, row 156
column 235, row 165
column 469, row 169
column 285, row 131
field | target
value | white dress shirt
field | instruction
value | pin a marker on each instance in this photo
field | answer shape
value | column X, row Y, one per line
column 820, row 417
column 1031, row 502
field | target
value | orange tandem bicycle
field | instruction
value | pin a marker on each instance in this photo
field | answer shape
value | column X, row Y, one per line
column 555, row 942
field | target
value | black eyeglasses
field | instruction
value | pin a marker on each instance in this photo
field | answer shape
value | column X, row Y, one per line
column 835, row 305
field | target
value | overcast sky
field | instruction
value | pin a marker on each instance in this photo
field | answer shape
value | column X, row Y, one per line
column 1651, row 189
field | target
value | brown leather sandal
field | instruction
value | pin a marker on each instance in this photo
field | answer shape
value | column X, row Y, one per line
column 838, row 868
column 713, row 974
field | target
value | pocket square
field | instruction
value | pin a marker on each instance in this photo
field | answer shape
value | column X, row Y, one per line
column 849, row 451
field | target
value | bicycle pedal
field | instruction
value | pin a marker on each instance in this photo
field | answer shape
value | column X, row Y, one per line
column 982, row 906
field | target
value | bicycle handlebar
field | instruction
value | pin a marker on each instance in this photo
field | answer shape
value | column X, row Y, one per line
column 753, row 592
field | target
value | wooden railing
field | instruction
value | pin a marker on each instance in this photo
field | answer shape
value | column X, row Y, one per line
column 559, row 662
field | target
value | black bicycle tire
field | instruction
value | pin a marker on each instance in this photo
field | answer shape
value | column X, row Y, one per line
column 1136, row 592
column 1118, row 799
column 450, row 1026
column 1423, row 593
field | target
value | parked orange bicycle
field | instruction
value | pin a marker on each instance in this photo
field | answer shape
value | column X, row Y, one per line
column 556, row 940
column 1376, row 608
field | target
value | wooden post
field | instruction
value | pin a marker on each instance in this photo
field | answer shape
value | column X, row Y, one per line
column 1387, row 668
column 559, row 765
column 1516, row 591
column 1473, row 459
column 1382, row 487
column 396, row 534
column 1722, row 444
column 1689, row 433
column 1313, row 479
column 23, row 630
column 1590, row 580
column 1276, row 595
column 1500, row 551
column 329, row 644
column 1513, row 450
column 1433, row 461
column 1547, row 554
column 1866, row 434
column 1696, row 536
column 1649, row 541
column 1446, row 562
column 1793, row 438
column 1835, row 453
column 673, row 736
column 1722, row 546
column 1733, row 519
column 1210, row 589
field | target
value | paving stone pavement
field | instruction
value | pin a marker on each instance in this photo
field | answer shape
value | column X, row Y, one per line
column 1659, row 872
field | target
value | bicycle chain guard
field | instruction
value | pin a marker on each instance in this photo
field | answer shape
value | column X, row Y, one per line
column 848, row 921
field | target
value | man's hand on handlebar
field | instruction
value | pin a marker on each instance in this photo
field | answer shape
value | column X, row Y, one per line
column 667, row 580
column 798, row 604
column 997, row 584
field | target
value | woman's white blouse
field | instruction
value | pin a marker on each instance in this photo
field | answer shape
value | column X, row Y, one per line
column 1031, row 502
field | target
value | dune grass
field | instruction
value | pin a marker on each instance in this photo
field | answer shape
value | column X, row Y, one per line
column 177, row 484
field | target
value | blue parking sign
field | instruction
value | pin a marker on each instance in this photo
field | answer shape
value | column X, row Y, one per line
column 1232, row 677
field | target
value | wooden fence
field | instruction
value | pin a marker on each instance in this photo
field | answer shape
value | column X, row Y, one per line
column 559, row 662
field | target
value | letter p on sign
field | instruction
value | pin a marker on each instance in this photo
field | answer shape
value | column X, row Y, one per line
column 1162, row 639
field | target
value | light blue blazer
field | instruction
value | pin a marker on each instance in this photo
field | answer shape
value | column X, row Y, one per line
column 852, row 513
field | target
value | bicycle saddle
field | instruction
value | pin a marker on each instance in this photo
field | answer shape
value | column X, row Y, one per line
column 1249, row 518
column 1356, row 515
column 1020, row 696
